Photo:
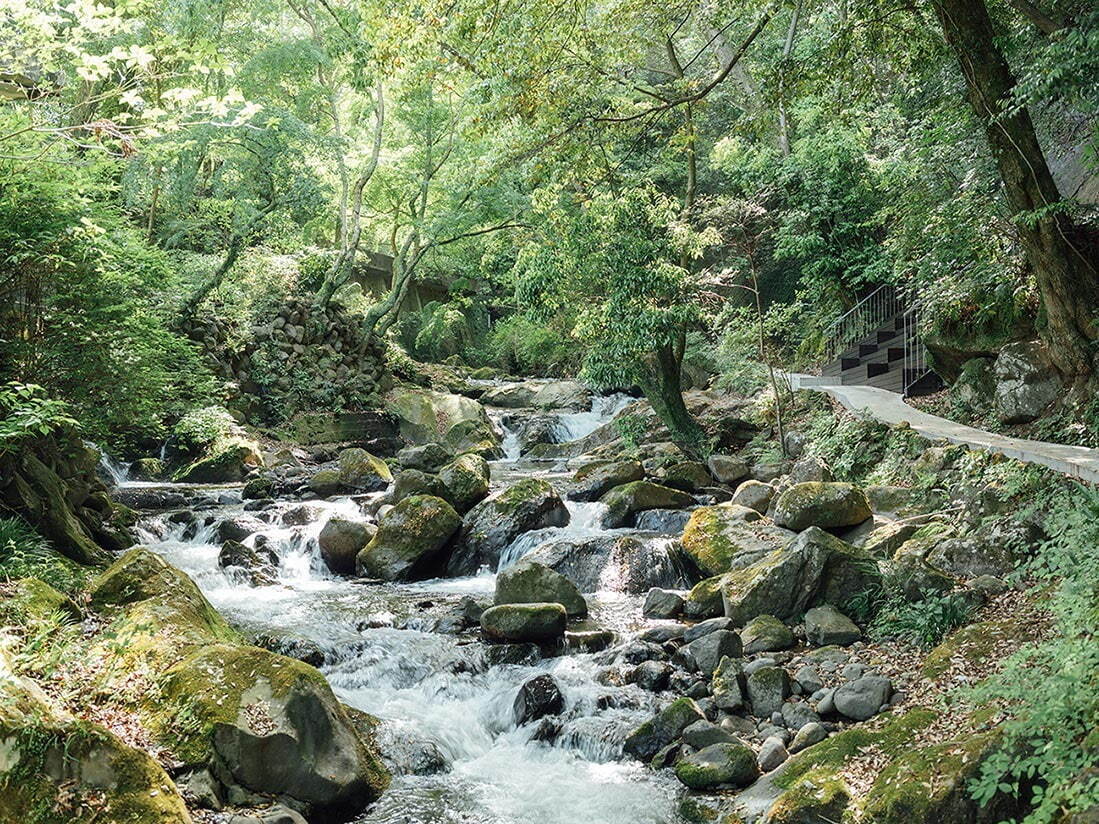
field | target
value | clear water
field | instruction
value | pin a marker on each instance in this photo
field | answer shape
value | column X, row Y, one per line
column 433, row 688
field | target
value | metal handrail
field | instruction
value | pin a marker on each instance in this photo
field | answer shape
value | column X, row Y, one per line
column 915, row 354
column 862, row 319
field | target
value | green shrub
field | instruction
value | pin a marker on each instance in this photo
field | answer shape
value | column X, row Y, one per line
column 523, row 346
column 26, row 554
column 923, row 623
column 1049, row 690
column 26, row 413
column 201, row 429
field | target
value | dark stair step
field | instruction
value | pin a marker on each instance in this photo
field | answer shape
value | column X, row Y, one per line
column 885, row 335
column 895, row 353
column 875, row 369
column 867, row 349
column 849, row 363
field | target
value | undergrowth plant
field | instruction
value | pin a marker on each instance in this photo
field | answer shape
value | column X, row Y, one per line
column 26, row 554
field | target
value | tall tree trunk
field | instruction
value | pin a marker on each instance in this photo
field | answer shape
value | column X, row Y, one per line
column 663, row 388
column 1065, row 262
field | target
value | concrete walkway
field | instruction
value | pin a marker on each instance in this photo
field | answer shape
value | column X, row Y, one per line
column 889, row 407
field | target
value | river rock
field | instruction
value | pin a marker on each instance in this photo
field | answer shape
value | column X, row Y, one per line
column 810, row 468
column 1026, row 383
column 728, row 684
column 621, row 563
column 359, row 471
column 772, row 754
column 411, row 540
column 524, row 622
column 809, row 734
column 324, row 483
column 465, row 481
column 540, row 429
column 729, row 536
column 662, row 603
column 755, row 495
column 767, row 689
column 704, row 600
column 821, row 504
column 827, row 626
column 592, row 481
column 688, row 476
column 409, row 482
column 538, row 697
column 247, row 563
column 727, row 469
column 702, row 734
column 651, row 676
column 719, row 765
column 494, row 523
column 237, row 529
column 231, row 463
column 766, row 633
column 625, row 501
column 426, row 457
column 662, row 729
column 529, row 582
column 708, row 650
column 663, row 521
column 864, row 697
column 341, row 540
column 551, row 395
column 437, row 417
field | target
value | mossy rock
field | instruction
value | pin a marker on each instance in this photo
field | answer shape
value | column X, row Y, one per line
column 230, row 463
column 766, row 633
column 822, row 504
column 409, row 482
column 592, row 480
column 625, row 501
column 704, row 599
column 689, row 476
column 721, row 538
column 718, row 765
column 782, row 583
column 662, row 729
column 325, row 482
column 465, row 481
column 817, row 796
column 31, row 601
column 57, row 769
column 360, row 471
column 477, row 437
column 974, row 643
column 410, row 540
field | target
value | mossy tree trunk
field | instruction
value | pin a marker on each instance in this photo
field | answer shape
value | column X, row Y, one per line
column 1064, row 259
column 662, row 384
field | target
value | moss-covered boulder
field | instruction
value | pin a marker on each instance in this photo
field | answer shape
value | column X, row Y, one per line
column 821, row 504
column 341, row 540
column 257, row 720
column 148, row 469
column 766, row 633
column 272, row 725
column 521, row 623
column 528, row 582
column 465, row 481
column 782, row 583
column 427, row 417
column 229, row 463
column 755, row 495
column 718, row 765
column 726, row 537
column 409, row 482
column 426, row 457
column 411, row 540
column 662, row 729
column 624, row 502
column 324, row 483
column 359, row 471
column 476, row 437
column 704, row 599
column 592, row 481
column 57, row 769
column 494, row 523
column 28, row 601
column 689, row 476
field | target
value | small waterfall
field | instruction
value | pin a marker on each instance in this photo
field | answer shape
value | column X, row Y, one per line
column 586, row 520
column 111, row 471
column 603, row 409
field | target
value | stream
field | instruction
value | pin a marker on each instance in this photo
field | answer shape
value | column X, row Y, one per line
column 440, row 701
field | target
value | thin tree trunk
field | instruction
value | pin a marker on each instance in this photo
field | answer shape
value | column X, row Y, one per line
column 787, row 49
column 1064, row 260
column 663, row 388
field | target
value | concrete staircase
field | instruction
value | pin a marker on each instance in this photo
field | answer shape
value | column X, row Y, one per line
column 877, row 343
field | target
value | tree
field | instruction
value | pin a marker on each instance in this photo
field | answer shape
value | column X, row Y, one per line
column 1063, row 255
column 612, row 265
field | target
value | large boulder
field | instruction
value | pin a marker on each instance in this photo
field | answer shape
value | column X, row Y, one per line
column 755, row 495
column 552, row 395
column 518, row 623
column 409, row 482
column 494, row 523
column 624, row 502
column 827, row 626
column 689, row 476
column 437, row 417
column 362, row 472
column 341, row 540
column 411, row 540
column 621, row 563
column 766, row 633
column 1026, row 383
column 782, row 583
column 541, row 429
column 726, row 537
column 727, row 469
column 257, row 720
column 718, row 765
column 52, row 762
column 245, row 564
column 465, row 481
column 593, row 480
column 823, row 504
column 426, row 457
column 528, row 582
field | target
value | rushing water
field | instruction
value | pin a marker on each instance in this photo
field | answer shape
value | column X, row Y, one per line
column 434, row 691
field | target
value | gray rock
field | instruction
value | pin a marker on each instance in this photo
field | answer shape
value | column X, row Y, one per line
column 821, row 504
column 592, row 481
column 811, row 733
column 625, row 563
column 528, row 582
column 696, row 631
column 662, row 729
column 755, row 495
column 810, row 468
column 728, row 684
column 826, row 704
column 411, row 540
column 767, row 690
column 427, row 457
column 663, row 521
column 702, row 734
column 626, row 501
column 809, row 679
column 538, row 697
column 766, row 633
column 662, row 603
column 727, row 469
column 651, row 675
column 759, row 663
column 863, row 698
column 825, row 625
column 246, row 564
column 341, row 541
column 708, row 650
column 771, row 754
column 524, row 622
column 1025, row 382
column 796, row 714
column 732, row 765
